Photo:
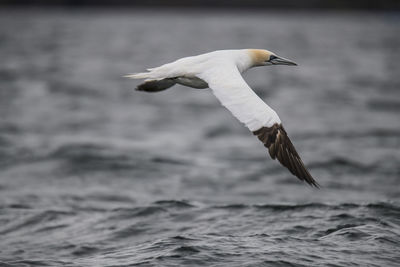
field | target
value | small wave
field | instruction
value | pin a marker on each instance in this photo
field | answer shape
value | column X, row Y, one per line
column 280, row 207
column 340, row 162
column 218, row 132
column 232, row 206
column 16, row 206
column 282, row 263
column 340, row 227
column 181, row 238
column 174, row 203
column 129, row 231
column 342, row 216
column 389, row 210
column 384, row 206
column 52, row 228
column 391, row 240
column 61, row 87
column 91, row 157
column 84, row 251
column 23, row 263
column 110, row 198
column 169, row 161
column 186, row 250
column 378, row 133
column 342, row 165
column 138, row 211
column 381, row 206
column 34, row 220
column 4, row 264
column 349, row 233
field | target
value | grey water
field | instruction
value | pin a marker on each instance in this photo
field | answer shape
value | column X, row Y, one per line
column 93, row 173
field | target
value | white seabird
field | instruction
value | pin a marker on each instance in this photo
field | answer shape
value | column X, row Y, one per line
column 221, row 71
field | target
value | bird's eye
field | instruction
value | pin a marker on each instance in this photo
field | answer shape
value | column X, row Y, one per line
column 272, row 57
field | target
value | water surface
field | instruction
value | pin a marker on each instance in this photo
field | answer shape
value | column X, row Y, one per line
column 93, row 173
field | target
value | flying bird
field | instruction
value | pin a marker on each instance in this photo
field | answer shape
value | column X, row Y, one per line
column 221, row 71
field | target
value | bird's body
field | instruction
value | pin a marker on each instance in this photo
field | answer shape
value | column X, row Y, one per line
column 194, row 65
column 221, row 71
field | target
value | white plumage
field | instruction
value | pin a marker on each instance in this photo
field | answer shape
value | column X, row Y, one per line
column 221, row 71
column 233, row 92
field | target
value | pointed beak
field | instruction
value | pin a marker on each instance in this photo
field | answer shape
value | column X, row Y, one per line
column 282, row 61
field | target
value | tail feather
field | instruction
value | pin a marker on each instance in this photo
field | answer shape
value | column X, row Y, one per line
column 154, row 80
column 139, row 75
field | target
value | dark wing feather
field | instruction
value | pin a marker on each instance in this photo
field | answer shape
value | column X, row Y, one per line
column 156, row 85
column 280, row 147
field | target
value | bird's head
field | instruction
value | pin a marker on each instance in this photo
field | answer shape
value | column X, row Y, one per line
column 261, row 57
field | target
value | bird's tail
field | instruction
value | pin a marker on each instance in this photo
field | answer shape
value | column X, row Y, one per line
column 139, row 75
column 152, row 82
column 152, row 74
column 155, row 74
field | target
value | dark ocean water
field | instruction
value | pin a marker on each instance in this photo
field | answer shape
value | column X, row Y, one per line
column 93, row 173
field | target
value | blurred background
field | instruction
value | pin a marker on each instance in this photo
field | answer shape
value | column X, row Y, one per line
column 94, row 173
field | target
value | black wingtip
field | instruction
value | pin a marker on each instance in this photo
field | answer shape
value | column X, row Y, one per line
column 315, row 185
column 280, row 147
column 311, row 182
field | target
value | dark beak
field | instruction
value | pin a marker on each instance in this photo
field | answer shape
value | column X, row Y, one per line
column 282, row 61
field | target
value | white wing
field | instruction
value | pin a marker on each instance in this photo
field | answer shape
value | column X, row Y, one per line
column 233, row 92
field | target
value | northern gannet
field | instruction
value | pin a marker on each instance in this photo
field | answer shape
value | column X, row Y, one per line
column 221, row 71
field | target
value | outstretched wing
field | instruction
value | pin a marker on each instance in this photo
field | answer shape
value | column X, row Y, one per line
column 280, row 147
column 233, row 92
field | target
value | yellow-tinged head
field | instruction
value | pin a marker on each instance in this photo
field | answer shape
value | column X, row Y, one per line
column 263, row 57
